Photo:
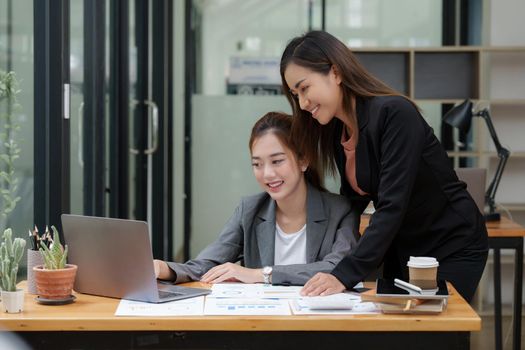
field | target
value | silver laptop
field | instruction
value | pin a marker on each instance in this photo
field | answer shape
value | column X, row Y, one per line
column 114, row 260
column 475, row 179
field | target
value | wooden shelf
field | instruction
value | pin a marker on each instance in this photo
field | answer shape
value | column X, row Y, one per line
column 506, row 102
column 513, row 154
column 514, row 206
column 463, row 154
column 380, row 64
column 446, row 74
column 491, row 154
column 458, row 78
column 442, row 74
column 490, row 76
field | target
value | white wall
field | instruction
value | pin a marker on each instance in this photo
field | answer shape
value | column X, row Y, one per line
column 506, row 22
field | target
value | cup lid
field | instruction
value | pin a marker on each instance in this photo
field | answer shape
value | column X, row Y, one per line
column 422, row 262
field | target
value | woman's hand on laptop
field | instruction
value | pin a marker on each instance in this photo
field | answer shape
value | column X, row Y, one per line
column 163, row 271
column 229, row 272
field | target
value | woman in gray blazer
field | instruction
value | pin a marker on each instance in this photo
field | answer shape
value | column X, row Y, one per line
column 284, row 235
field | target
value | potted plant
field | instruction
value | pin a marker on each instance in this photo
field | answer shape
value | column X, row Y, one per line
column 9, row 148
column 54, row 279
column 10, row 254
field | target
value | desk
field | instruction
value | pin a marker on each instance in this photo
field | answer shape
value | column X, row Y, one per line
column 504, row 234
column 90, row 323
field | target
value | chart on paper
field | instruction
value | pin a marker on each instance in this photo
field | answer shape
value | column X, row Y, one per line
column 246, row 306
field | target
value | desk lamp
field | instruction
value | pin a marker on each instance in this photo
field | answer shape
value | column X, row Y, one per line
column 460, row 117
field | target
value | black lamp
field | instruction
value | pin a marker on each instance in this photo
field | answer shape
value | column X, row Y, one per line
column 460, row 117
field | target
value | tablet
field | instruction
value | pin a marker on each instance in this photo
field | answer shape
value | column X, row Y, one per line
column 388, row 288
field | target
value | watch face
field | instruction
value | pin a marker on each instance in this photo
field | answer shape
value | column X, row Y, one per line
column 267, row 270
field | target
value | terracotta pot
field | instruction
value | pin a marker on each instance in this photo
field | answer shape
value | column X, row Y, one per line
column 55, row 284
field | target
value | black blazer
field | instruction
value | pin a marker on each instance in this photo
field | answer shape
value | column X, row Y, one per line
column 422, row 208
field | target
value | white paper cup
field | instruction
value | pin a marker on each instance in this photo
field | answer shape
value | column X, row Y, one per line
column 422, row 271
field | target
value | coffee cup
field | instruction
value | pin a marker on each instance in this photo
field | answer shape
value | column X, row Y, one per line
column 422, row 271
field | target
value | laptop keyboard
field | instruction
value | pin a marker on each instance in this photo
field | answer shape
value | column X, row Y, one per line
column 163, row 294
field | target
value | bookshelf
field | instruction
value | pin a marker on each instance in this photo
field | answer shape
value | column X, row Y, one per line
column 491, row 76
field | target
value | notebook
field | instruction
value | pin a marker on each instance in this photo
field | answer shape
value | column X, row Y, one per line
column 114, row 259
column 390, row 297
column 425, row 307
column 387, row 288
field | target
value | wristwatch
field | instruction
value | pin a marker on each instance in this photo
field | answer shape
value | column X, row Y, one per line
column 267, row 274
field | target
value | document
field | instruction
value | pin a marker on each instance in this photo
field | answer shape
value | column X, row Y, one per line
column 234, row 290
column 300, row 307
column 185, row 307
column 258, row 290
column 246, row 306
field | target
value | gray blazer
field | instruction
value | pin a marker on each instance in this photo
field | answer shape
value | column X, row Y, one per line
column 249, row 236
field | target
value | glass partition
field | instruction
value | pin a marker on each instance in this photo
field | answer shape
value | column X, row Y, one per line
column 76, row 60
column 236, row 29
column 238, row 47
column 222, row 171
column 384, row 23
column 16, row 55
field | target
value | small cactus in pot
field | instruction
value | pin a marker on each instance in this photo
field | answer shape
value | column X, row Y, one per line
column 11, row 252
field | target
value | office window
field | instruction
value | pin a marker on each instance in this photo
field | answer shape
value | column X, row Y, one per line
column 384, row 23
column 16, row 55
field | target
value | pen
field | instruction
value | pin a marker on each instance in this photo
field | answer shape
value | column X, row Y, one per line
column 408, row 285
column 33, row 236
column 32, row 240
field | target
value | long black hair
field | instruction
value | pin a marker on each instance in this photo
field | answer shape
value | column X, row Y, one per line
column 320, row 52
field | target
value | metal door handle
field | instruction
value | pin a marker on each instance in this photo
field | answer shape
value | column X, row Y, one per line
column 155, row 123
column 81, row 134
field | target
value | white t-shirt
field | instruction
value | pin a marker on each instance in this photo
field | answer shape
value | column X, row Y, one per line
column 290, row 248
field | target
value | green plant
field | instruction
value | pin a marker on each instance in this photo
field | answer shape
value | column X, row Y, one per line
column 55, row 255
column 9, row 148
column 10, row 254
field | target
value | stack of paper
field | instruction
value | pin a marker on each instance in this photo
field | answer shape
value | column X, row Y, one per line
column 236, row 299
column 336, row 304
column 392, row 298
column 185, row 307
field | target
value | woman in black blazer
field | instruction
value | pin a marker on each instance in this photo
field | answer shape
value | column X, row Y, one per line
column 385, row 152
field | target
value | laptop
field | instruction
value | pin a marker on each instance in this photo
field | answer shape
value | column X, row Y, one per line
column 475, row 179
column 114, row 259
